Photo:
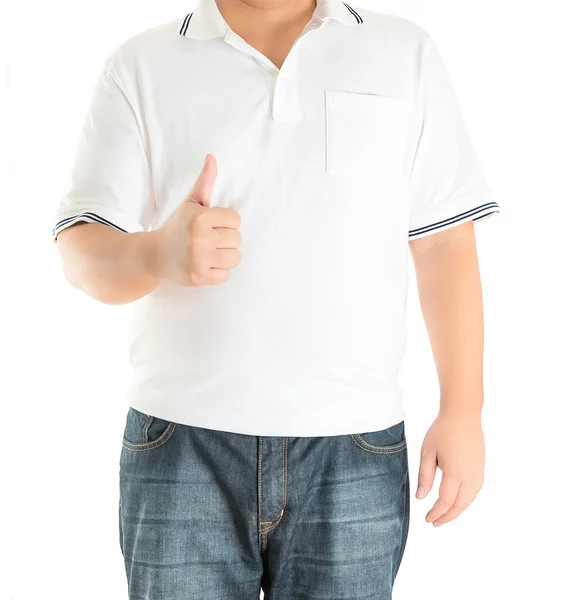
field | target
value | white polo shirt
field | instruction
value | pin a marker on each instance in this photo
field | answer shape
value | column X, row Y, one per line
column 334, row 162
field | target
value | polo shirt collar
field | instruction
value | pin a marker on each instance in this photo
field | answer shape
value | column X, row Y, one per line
column 206, row 21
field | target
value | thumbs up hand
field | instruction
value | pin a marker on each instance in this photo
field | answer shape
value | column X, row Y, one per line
column 198, row 244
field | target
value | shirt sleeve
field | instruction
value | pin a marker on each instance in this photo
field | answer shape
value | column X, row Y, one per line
column 109, row 181
column 447, row 186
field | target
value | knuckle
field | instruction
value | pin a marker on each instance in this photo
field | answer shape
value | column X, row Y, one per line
column 427, row 453
column 237, row 218
column 445, row 504
column 447, row 501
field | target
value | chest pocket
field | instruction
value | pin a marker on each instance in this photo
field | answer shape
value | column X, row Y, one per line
column 365, row 135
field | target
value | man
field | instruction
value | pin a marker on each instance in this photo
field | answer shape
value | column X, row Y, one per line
column 264, row 445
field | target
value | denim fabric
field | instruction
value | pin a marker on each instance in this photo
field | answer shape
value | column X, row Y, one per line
column 212, row 514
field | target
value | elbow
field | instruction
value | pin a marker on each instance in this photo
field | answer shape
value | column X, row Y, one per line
column 69, row 271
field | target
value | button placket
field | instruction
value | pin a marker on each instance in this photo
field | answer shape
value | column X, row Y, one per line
column 286, row 102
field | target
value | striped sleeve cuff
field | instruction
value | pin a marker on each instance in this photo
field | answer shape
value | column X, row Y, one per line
column 100, row 214
column 472, row 207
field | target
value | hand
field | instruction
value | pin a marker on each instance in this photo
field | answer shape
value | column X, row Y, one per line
column 198, row 244
column 455, row 443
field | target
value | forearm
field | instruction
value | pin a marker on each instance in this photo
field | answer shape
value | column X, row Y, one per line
column 451, row 300
column 110, row 266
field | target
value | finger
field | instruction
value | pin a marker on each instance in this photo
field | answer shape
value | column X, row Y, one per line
column 225, row 217
column 225, row 258
column 447, row 496
column 217, row 276
column 203, row 188
column 227, row 237
column 427, row 472
column 464, row 498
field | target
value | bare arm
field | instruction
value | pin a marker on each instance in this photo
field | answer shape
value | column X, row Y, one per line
column 109, row 265
column 198, row 245
column 450, row 294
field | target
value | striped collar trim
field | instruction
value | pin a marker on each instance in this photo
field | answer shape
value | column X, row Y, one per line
column 206, row 21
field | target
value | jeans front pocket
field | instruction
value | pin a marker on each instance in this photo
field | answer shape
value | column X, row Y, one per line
column 145, row 432
column 385, row 441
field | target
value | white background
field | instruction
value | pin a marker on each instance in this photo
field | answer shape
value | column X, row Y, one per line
column 64, row 355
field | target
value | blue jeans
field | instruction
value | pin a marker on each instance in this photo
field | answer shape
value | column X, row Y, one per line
column 207, row 514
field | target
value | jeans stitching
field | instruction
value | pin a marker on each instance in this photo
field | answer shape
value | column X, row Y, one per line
column 145, row 429
column 151, row 445
column 284, row 488
column 405, row 524
column 367, row 447
column 121, row 535
column 260, row 478
column 286, row 476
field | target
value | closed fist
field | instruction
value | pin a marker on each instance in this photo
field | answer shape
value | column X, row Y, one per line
column 198, row 244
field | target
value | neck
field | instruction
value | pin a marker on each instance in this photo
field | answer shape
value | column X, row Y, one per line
column 265, row 15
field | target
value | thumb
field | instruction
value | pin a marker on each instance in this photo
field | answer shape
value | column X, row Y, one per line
column 203, row 188
column 427, row 472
